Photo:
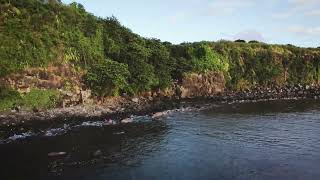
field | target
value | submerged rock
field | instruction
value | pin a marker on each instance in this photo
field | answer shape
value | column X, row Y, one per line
column 119, row 133
column 127, row 120
column 97, row 153
column 56, row 154
column 109, row 122
column 158, row 115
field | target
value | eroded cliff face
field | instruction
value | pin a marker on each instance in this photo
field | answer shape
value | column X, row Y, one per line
column 69, row 83
column 201, row 85
column 63, row 78
column 192, row 85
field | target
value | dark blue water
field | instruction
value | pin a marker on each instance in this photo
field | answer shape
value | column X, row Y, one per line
column 266, row 140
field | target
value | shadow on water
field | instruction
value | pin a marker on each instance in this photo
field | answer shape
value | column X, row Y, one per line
column 82, row 150
column 265, row 107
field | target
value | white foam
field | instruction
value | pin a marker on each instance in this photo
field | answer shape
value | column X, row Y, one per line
column 20, row 136
column 55, row 132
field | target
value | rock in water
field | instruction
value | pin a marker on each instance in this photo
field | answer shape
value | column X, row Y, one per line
column 127, row 120
column 158, row 115
column 97, row 153
column 109, row 122
column 56, row 154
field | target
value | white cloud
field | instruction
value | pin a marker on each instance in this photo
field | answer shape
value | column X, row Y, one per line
column 177, row 17
column 304, row 31
column 225, row 7
column 282, row 15
column 249, row 35
column 210, row 8
column 315, row 13
column 302, row 3
column 299, row 7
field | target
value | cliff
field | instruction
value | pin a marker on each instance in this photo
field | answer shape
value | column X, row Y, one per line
column 62, row 56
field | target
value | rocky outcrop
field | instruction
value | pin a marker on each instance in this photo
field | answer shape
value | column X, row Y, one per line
column 119, row 107
column 51, row 77
column 122, row 107
column 63, row 78
column 272, row 93
column 201, row 85
column 192, row 85
column 210, row 86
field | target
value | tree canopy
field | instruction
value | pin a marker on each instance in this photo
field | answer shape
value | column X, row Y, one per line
column 36, row 33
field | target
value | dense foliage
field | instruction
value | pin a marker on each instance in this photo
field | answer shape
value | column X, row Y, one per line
column 108, row 78
column 36, row 99
column 36, row 33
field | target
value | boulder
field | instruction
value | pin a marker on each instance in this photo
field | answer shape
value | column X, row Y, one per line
column 201, row 85
column 56, row 154
column 97, row 153
column 158, row 115
column 135, row 100
column 127, row 120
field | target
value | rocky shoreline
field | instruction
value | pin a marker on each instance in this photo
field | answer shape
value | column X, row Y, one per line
column 121, row 107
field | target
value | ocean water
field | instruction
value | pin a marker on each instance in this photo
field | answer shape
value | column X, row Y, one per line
column 262, row 140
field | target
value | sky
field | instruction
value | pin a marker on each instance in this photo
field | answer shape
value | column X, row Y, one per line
column 294, row 22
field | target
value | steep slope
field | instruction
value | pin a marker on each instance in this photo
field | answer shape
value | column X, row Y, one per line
column 47, row 46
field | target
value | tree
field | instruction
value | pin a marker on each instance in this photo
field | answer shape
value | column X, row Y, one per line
column 254, row 41
column 240, row 41
column 108, row 78
column 161, row 61
column 204, row 59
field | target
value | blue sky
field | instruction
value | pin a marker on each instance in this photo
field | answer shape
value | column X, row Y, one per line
column 273, row 21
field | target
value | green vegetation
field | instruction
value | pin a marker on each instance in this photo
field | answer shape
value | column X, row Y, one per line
column 254, row 41
column 36, row 99
column 108, row 78
column 36, row 33
column 8, row 99
column 254, row 64
column 240, row 41
column 40, row 99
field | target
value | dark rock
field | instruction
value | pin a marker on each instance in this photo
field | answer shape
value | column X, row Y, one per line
column 57, row 154
column 97, row 153
column 35, row 110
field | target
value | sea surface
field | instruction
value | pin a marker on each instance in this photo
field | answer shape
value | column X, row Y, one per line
column 260, row 141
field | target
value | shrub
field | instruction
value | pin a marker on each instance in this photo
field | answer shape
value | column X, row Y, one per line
column 8, row 98
column 41, row 99
column 240, row 41
column 35, row 99
column 205, row 59
column 108, row 78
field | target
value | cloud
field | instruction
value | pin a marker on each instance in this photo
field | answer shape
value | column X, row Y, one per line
column 298, row 7
column 177, row 17
column 282, row 15
column 314, row 13
column 249, row 35
column 226, row 7
column 209, row 8
column 304, row 31
column 302, row 3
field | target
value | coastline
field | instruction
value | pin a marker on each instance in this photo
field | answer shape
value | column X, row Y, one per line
column 120, row 108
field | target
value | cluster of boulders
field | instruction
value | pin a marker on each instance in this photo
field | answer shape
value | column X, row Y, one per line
column 113, row 107
column 192, row 85
column 272, row 92
column 62, row 78
column 201, row 85
column 209, row 86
